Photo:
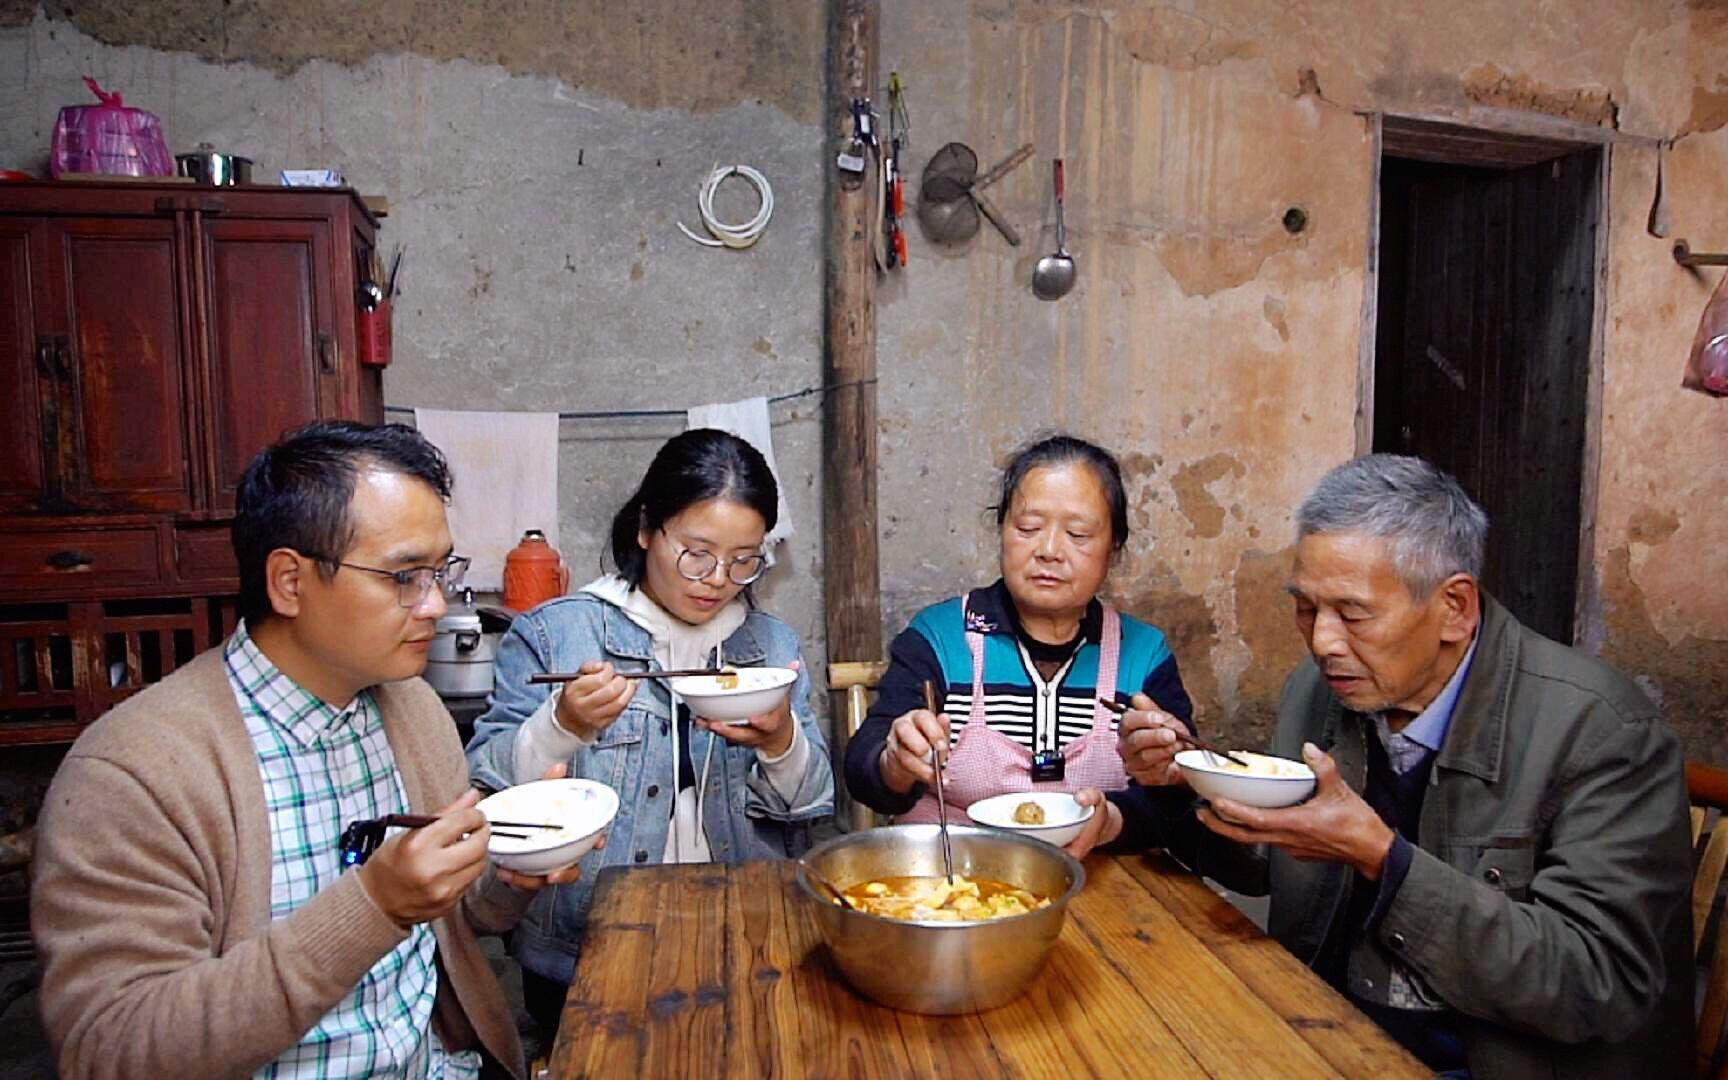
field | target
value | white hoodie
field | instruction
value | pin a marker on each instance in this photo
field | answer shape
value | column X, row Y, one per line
column 543, row 742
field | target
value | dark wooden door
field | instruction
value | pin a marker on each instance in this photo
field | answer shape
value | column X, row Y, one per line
column 272, row 337
column 1483, row 355
column 118, row 289
column 24, row 353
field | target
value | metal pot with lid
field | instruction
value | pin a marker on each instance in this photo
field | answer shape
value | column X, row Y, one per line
column 206, row 166
column 460, row 659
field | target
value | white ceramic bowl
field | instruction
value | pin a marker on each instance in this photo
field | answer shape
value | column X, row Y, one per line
column 582, row 807
column 1063, row 817
column 759, row 690
column 1274, row 781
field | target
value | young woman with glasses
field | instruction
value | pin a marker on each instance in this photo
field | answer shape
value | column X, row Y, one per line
column 686, row 546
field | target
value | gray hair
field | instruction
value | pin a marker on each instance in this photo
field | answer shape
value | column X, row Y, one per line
column 1433, row 529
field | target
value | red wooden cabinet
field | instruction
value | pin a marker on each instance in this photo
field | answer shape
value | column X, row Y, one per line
column 153, row 337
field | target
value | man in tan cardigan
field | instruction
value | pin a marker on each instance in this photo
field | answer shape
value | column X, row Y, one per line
column 193, row 911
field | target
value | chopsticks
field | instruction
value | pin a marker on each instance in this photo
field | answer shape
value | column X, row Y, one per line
column 1197, row 743
column 420, row 821
column 565, row 676
column 941, row 803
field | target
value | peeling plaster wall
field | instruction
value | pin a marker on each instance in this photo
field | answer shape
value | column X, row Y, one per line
column 537, row 152
column 1218, row 353
column 536, row 157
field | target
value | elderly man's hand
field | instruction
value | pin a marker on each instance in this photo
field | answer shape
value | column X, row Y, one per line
column 1147, row 739
column 1334, row 826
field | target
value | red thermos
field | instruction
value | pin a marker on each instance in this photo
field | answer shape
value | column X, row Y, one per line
column 534, row 572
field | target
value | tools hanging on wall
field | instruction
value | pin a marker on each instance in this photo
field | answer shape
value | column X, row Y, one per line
column 951, row 194
column 893, row 175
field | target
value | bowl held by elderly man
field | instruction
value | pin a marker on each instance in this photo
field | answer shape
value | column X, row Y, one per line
column 1267, row 782
column 580, row 810
column 945, row 967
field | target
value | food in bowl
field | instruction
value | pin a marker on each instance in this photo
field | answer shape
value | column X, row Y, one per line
column 579, row 809
column 942, row 968
column 735, row 696
column 941, row 899
column 1267, row 782
column 1263, row 765
column 1063, row 817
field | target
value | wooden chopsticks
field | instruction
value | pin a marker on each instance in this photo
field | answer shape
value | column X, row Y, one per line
column 420, row 821
column 1197, row 743
column 564, row 676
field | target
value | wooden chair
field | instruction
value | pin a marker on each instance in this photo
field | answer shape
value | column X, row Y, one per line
column 1707, row 787
column 858, row 680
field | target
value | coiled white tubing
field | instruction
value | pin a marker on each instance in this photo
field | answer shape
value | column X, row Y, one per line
column 732, row 236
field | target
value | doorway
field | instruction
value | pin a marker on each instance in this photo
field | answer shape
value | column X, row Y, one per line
column 1483, row 340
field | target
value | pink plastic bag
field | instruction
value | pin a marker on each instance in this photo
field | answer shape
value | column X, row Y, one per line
column 108, row 138
column 1707, row 366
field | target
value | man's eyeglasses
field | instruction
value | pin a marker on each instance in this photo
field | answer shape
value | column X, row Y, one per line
column 694, row 564
column 413, row 584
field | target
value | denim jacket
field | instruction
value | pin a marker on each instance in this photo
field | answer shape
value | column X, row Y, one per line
column 744, row 817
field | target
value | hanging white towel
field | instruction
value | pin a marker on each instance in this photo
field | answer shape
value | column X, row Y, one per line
column 506, row 470
column 748, row 419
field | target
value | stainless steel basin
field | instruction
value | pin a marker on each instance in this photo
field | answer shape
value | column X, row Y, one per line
column 941, row 967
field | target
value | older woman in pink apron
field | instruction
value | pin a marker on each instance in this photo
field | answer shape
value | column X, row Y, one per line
column 1025, row 660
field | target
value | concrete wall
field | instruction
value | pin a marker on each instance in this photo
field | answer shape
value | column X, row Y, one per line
column 536, row 158
column 537, row 153
column 1218, row 353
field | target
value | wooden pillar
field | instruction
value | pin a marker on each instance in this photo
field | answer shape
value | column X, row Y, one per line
column 852, row 591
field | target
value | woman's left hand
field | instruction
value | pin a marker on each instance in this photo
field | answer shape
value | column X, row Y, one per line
column 1104, row 826
column 769, row 732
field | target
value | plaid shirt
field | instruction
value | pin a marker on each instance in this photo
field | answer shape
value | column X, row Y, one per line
column 323, row 767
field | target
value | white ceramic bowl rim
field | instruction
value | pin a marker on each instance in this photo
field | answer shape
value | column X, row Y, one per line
column 1086, row 813
column 1196, row 760
column 606, row 804
column 778, row 677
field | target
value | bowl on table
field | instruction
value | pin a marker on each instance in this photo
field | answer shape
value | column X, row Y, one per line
column 1268, row 782
column 580, row 808
column 759, row 690
column 1063, row 818
column 942, row 968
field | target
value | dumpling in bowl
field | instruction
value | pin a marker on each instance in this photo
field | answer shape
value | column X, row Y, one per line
column 1028, row 813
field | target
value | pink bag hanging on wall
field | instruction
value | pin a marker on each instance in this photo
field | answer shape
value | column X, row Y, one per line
column 1707, row 366
column 108, row 138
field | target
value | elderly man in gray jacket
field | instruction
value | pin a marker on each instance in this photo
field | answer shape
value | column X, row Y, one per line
column 1496, row 861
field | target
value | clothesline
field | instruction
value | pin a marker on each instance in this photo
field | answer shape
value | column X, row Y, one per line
column 619, row 414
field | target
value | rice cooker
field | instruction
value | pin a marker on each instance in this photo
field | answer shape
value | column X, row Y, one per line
column 459, row 660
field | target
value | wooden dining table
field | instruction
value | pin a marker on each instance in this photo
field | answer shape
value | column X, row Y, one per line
column 709, row 970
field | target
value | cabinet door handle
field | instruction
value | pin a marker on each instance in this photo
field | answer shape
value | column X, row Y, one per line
column 327, row 358
column 69, row 560
column 51, row 362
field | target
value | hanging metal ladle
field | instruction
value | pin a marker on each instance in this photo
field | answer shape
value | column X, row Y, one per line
column 1053, row 277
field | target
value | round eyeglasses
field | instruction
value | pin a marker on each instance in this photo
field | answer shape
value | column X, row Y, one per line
column 413, row 584
column 694, row 564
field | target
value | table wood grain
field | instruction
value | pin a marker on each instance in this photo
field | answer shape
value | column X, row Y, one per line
column 721, row 971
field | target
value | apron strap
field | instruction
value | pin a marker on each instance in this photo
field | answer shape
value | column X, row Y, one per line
column 1110, row 650
column 975, row 644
